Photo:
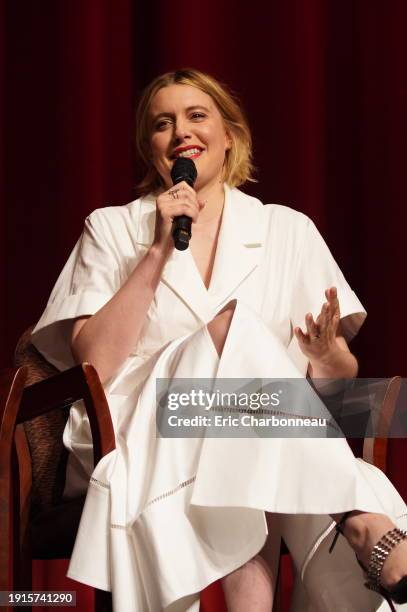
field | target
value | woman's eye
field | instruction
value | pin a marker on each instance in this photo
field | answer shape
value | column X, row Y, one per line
column 160, row 125
column 198, row 115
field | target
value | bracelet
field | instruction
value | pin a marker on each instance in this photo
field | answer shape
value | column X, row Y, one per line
column 380, row 553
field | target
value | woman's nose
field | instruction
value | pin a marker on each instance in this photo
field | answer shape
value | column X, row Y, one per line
column 181, row 131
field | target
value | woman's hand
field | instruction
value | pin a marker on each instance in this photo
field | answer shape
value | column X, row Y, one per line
column 323, row 344
column 181, row 199
column 319, row 341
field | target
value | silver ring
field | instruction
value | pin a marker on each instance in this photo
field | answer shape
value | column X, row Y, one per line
column 174, row 193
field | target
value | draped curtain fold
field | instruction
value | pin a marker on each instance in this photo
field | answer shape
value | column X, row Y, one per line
column 324, row 88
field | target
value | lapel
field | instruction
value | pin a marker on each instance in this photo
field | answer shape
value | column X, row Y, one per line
column 239, row 249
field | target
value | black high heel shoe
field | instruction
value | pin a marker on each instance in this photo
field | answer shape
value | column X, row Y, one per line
column 378, row 556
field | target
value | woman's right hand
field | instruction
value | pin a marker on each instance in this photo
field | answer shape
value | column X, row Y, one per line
column 181, row 199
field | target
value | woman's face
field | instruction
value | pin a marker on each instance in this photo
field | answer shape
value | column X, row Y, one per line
column 186, row 122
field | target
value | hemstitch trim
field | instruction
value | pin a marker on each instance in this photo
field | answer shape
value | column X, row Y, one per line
column 152, row 501
column 171, row 492
column 155, row 499
column 122, row 527
column 99, row 483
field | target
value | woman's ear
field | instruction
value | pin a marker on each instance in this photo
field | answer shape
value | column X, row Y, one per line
column 229, row 141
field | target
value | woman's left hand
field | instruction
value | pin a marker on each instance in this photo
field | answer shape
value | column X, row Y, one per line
column 319, row 341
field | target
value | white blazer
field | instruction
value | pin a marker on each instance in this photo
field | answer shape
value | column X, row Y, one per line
column 270, row 257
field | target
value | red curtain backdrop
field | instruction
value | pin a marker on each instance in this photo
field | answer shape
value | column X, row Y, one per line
column 324, row 87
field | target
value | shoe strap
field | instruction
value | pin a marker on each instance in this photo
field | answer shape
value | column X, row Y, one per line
column 339, row 529
column 379, row 554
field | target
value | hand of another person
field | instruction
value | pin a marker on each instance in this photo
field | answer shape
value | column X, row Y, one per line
column 181, row 199
column 319, row 342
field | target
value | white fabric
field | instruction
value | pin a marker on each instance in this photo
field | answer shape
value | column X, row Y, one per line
column 166, row 517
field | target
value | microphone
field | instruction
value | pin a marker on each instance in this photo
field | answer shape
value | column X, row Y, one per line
column 183, row 169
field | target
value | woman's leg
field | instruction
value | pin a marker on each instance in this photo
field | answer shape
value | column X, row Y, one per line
column 362, row 531
column 251, row 586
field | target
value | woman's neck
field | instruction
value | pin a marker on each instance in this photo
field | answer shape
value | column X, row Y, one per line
column 214, row 198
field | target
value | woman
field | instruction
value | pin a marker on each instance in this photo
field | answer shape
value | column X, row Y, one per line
column 168, row 516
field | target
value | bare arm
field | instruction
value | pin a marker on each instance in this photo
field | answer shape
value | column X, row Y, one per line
column 107, row 338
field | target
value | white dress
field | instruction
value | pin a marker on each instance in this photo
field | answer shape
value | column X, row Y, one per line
column 165, row 517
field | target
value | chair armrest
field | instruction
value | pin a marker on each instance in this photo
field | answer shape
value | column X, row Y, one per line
column 62, row 390
column 375, row 449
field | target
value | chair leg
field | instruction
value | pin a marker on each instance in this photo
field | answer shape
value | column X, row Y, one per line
column 21, row 512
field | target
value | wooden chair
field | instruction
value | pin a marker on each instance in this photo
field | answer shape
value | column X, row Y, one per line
column 12, row 384
column 36, row 523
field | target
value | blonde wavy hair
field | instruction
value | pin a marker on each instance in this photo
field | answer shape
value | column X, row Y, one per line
column 238, row 167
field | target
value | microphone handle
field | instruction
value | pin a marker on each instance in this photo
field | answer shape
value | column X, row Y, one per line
column 181, row 232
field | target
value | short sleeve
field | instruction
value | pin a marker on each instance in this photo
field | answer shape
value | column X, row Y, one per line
column 90, row 277
column 316, row 271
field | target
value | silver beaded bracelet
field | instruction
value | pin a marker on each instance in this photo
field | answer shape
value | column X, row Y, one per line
column 380, row 553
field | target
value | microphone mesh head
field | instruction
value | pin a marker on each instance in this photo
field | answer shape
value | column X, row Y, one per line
column 184, row 169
